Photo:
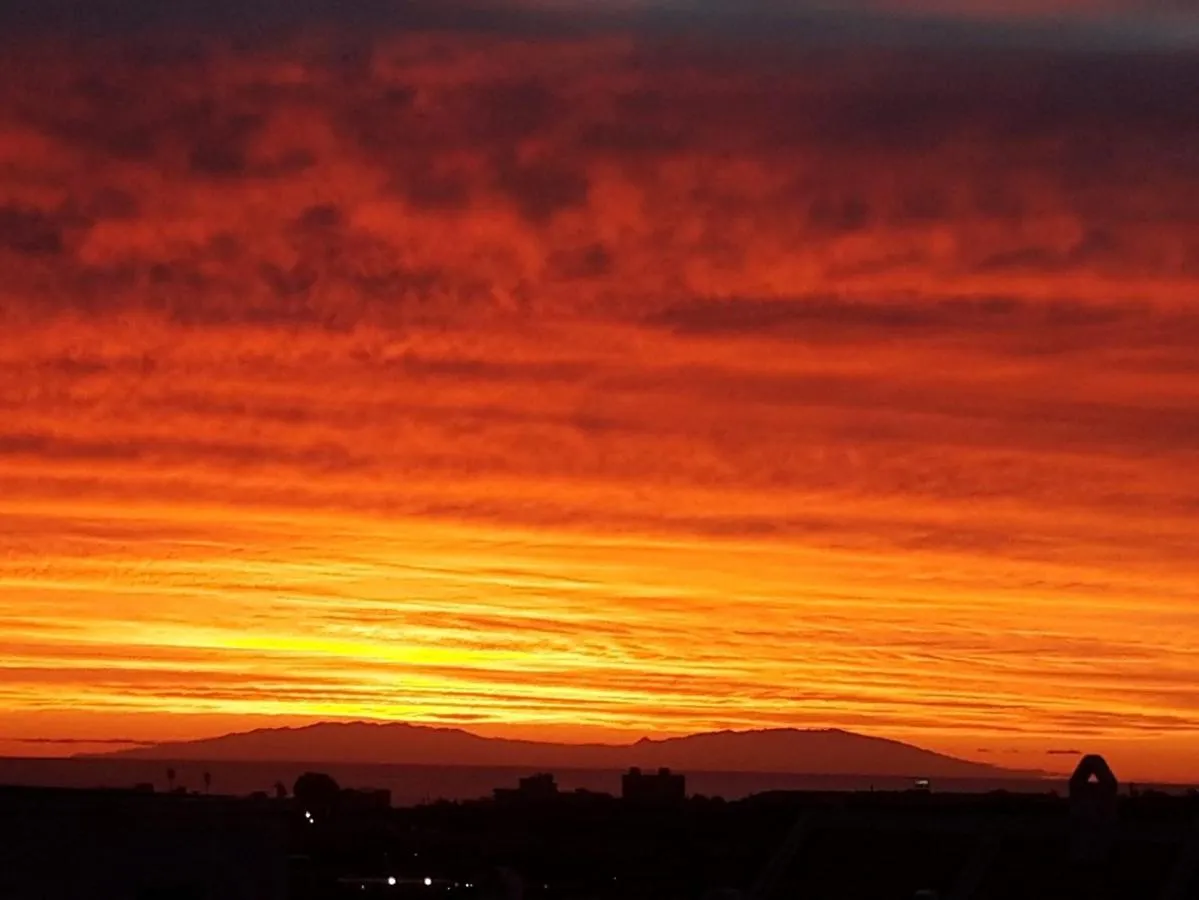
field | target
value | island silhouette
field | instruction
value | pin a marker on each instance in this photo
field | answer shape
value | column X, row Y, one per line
column 828, row 751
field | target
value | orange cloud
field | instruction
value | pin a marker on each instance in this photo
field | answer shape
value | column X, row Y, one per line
column 601, row 383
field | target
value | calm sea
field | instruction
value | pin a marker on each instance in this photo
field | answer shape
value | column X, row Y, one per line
column 416, row 784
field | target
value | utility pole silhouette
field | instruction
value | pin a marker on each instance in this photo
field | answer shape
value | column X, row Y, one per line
column 764, row 887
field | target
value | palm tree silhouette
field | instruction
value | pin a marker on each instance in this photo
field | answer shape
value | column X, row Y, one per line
column 171, row 779
column 208, row 782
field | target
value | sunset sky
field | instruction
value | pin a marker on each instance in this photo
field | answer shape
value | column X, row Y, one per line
column 616, row 369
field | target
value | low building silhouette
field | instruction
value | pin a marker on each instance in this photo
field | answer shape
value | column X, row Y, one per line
column 364, row 799
column 659, row 787
column 541, row 786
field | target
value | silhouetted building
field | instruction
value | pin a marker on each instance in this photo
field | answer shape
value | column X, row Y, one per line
column 533, row 787
column 1094, row 798
column 662, row 786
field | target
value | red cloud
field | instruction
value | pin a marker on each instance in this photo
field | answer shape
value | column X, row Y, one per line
column 608, row 379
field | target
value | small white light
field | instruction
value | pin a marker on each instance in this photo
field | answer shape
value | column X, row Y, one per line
column 428, row 882
column 391, row 880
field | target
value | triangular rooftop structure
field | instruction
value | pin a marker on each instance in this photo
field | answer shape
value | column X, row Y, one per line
column 1093, row 773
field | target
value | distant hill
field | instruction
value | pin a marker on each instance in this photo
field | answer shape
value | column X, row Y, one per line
column 783, row 750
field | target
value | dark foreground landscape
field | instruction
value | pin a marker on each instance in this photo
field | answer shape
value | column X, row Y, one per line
column 313, row 839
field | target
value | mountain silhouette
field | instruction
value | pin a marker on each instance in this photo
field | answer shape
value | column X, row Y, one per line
column 782, row 750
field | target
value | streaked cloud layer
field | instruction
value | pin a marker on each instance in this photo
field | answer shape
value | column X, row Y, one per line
column 601, row 382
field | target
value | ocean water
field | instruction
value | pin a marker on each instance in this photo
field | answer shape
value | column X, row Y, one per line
column 416, row 784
